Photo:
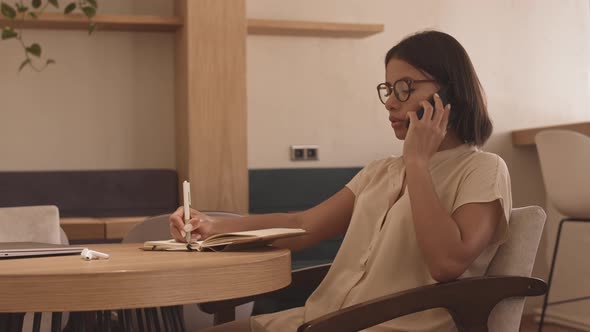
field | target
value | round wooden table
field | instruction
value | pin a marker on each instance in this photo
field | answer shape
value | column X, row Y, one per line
column 133, row 278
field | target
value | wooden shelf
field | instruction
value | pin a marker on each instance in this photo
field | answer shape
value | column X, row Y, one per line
column 137, row 23
column 144, row 23
column 312, row 29
column 526, row 137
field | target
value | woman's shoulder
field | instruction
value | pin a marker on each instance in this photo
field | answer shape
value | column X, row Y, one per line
column 486, row 160
column 383, row 163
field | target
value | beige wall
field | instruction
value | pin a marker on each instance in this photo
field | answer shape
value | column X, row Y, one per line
column 108, row 103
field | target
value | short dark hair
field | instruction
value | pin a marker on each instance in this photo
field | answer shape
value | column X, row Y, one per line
column 442, row 57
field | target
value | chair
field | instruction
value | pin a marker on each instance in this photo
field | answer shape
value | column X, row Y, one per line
column 565, row 159
column 31, row 224
column 157, row 228
column 493, row 302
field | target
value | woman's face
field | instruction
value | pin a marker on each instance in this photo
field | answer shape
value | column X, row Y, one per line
column 397, row 69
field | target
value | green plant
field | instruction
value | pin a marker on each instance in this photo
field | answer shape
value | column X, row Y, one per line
column 15, row 15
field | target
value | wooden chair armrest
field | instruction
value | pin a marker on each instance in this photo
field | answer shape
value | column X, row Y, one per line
column 469, row 301
column 302, row 279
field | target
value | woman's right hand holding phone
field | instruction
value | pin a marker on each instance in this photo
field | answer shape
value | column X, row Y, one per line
column 201, row 225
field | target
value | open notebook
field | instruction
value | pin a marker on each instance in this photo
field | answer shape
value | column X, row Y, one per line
column 228, row 241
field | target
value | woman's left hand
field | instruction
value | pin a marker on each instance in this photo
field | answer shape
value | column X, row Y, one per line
column 425, row 135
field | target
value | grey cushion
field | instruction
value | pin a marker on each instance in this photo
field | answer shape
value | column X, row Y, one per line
column 516, row 258
column 30, row 224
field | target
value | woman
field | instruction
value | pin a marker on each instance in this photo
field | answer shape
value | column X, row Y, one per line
column 437, row 213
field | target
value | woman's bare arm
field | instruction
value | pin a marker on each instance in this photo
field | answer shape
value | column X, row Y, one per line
column 326, row 220
column 449, row 243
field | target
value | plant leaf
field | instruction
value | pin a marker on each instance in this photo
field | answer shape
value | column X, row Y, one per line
column 93, row 3
column 7, row 10
column 23, row 64
column 8, row 33
column 91, row 28
column 33, row 15
column 34, row 49
column 89, row 11
column 54, row 3
column 70, row 8
column 21, row 8
column 36, row 3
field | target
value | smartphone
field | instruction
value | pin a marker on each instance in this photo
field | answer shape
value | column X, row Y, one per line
column 443, row 97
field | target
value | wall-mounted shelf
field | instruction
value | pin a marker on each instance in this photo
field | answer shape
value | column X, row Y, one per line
column 136, row 23
column 144, row 23
column 526, row 137
column 312, row 29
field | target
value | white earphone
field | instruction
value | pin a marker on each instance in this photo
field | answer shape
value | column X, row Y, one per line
column 88, row 254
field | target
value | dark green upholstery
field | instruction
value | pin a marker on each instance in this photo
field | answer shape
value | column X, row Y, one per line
column 297, row 189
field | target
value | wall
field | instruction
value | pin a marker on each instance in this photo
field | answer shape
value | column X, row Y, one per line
column 107, row 103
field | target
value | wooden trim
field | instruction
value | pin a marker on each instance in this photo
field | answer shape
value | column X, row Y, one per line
column 526, row 137
column 137, row 23
column 117, row 228
column 86, row 228
column 312, row 29
column 152, row 23
column 83, row 228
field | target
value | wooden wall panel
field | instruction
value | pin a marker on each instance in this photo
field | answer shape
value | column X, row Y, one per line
column 211, row 107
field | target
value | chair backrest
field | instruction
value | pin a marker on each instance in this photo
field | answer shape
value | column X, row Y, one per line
column 158, row 227
column 565, row 161
column 151, row 229
column 30, row 224
column 63, row 237
column 516, row 257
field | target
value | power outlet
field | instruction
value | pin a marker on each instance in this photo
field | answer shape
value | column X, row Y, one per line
column 311, row 152
column 304, row 152
column 297, row 153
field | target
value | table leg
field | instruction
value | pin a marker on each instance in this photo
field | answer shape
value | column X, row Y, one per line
column 107, row 320
column 11, row 322
column 165, row 318
column 224, row 316
column 37, row 321
column 56, row 322
column 179, row 318
column 139, row 315
column 153, row 313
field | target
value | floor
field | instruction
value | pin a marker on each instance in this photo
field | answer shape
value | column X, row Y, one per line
column 528, row 325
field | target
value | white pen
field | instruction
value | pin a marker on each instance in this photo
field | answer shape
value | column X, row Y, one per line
column 186, row 198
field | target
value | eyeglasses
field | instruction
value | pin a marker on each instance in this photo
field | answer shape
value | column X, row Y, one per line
column 402, row 89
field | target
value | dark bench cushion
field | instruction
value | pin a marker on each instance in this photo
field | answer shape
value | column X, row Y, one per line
column 296, row 189
column 103, row 193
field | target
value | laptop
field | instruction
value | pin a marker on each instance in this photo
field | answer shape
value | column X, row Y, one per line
column 35, row 249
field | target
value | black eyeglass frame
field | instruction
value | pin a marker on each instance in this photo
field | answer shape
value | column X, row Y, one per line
column 390, row 88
